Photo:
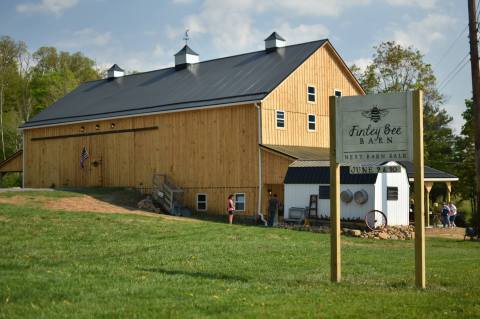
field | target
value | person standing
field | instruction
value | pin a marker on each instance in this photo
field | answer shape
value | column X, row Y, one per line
column 445, row 215
column 230, row 208
column 273, row 205
column 452, row 214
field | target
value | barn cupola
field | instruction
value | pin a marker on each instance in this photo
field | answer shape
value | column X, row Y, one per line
column 274, row 41
column 185, row 57
column 115, row 72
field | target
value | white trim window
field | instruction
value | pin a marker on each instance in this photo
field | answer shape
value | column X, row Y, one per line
column 311, row 94
column 337, row 93
column 240, row 200
column 279, row 119
column 202, row 200
column 392, row 193
column 312, row 122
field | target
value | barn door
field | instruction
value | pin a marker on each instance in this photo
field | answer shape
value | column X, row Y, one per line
column 96, row 162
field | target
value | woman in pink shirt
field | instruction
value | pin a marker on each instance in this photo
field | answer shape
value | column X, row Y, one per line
column 230, row 208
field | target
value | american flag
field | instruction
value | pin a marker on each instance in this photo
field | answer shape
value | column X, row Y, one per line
column 83, row 157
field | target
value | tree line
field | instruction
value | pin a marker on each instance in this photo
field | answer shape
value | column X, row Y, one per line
column 29, row 82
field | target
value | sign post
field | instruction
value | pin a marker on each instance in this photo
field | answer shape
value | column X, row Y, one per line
column 419, row 190
column 374, row 129
column 335, row 254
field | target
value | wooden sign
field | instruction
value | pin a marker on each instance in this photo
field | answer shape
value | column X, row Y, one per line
column 374, row 128
column 369, row 129
column 375, row 169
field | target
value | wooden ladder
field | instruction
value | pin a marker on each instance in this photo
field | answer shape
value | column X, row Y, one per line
column 313, row 206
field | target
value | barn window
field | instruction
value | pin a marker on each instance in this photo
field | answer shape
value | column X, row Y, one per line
column 201, row 202
column 112, row 125
column 392, row 193
column 280, row 119
column 97, row 127
column 240, row 201
column 337, row 93
column 324, row 192
column 82, row 129
column 311, row 94
column 312, row 122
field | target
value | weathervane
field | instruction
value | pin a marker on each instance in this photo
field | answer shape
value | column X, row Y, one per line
column 186, row 38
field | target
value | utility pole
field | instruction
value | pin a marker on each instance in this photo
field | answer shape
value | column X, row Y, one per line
column 472, row 26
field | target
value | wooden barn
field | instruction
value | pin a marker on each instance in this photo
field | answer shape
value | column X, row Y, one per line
column 231, row 125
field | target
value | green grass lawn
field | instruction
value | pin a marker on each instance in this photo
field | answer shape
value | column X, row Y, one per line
column 86, row 265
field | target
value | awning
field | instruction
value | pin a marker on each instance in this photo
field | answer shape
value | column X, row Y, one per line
column 303, row 153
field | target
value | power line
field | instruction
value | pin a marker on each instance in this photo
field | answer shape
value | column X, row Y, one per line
column 453, row 76
column 451, row 45
column 453, row 73
column 459, row 64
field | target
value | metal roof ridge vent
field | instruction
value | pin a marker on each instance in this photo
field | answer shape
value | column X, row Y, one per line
column 274, row 41
column 185, row 57
column 115, row 72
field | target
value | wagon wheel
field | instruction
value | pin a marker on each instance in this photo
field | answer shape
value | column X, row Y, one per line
column 375, row 219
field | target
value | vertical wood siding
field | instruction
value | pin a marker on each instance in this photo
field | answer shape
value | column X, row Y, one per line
column 326, row 72
column 274, row 169
column 211, row 151
column 12, row 164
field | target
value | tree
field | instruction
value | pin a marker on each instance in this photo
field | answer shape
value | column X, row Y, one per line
column 26, row 71
column 31, row 82
column 465, row 159
column 57, row 73
column 9, row 53
column 395, row 68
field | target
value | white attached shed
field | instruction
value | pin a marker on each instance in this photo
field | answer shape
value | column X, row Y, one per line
column 360, row 193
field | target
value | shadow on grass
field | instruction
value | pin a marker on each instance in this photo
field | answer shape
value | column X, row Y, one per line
column 199, row 274
column 126, row 198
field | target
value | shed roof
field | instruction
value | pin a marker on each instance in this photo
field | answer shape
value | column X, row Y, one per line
column 318, row 172
column 236, row 79
column 13, row 163
column 321, row 175
column 429, row 173
column 300, row 152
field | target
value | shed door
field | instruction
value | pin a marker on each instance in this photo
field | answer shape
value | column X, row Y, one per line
column 96, row 162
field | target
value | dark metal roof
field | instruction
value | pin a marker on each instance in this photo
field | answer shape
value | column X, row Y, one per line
column 115, row 67
column 186, row 49
column 310, row 172
column 300, row 152
column 428, row 172
column 321, row 175
column 236, row 79
column 274, row 36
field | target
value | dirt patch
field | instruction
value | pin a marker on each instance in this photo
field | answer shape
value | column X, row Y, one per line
column 85, row 204
column 451, row 233
column 14, row 200
column 88, row 203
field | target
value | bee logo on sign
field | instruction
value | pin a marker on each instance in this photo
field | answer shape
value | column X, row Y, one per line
column 374, row 128
column 375, row 114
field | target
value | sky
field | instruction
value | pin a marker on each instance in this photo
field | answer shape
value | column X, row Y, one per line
column 143, row 35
